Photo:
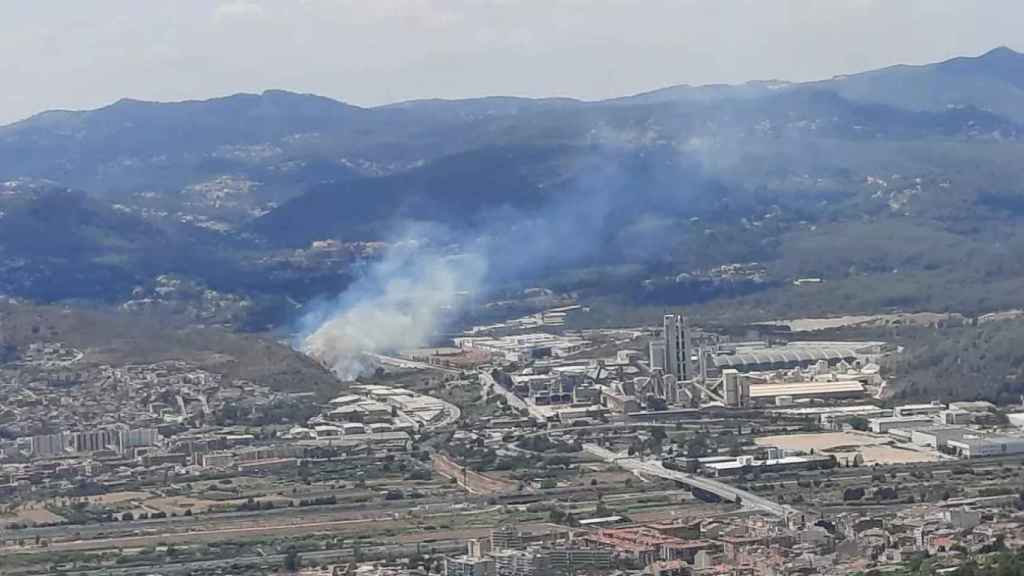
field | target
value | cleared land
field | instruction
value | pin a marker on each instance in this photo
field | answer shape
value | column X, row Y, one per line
column 902, row 319
column 845, row 445
column 821, row 442
column 34, row 515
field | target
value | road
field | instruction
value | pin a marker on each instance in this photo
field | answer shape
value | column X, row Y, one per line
column 410, row 364
column 720, row 489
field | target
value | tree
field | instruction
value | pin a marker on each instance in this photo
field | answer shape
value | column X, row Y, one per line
column 851, row 494
column 292, row 560
column 734, row 449
column 698, row 446
column 656, row 404
column 858, row 423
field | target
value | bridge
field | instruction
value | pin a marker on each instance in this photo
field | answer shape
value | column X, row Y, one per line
column 720, row 489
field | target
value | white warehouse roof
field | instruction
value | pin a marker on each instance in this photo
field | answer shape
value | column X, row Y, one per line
column 805, row 389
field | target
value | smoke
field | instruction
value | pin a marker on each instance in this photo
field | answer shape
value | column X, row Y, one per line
column 405, row 299
column 400, row 302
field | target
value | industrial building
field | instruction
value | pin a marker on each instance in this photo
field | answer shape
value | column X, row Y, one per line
column 736, row 466
column 786, row 392
column 525, row 347
column 937, row 437
column 839, row 419
column 956, row 416
column 737, row 392
column 656, row 353
column 544, row 389
column 676, row 349
column 918, row 409
column 755, row 356
column 884, row 425
column 621, row 403
column 992, row 446
column 833, row 417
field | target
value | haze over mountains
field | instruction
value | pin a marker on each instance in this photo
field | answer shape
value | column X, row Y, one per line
column 855, row 179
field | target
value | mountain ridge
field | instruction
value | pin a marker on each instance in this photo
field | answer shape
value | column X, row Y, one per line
column 234, row 193
column 999, row 54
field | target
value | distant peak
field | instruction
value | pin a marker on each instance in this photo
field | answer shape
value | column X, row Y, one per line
column 1000, row 52
column 130, row 102
column 279, row 92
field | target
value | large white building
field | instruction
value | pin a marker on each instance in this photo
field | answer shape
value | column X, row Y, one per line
column 993, row 446
column 883, row 425
column 937, row 437
column 525, row 347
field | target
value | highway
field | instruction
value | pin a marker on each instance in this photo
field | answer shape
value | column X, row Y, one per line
column 720, row 489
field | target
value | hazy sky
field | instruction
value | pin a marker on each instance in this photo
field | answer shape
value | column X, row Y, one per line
column 87, row 53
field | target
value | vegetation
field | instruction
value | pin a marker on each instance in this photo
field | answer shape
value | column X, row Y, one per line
column 893, row 202
column 858, row 423
column 983, row 362
column 292, row 560
column 142, row 338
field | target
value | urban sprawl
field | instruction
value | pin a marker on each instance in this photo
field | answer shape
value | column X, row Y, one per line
column 523, row 448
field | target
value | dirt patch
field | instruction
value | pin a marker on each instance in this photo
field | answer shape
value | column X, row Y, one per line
column 119, row 497
column 896, row 455
column 823, row 442
column 35, row 515
column 845, row 446
column 179, row 504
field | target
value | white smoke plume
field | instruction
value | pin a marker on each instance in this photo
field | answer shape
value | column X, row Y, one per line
column 400, row 303
column 404, row 300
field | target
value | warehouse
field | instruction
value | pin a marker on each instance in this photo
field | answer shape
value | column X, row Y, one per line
column 770, row 393
column 937, row 437
column 981, row 447
column 746, row 464
column 747, row 357
column 838, row 420
column 883, row 425
column 833, row 417
column 918, row 409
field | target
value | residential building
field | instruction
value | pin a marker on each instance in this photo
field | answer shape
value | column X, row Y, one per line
column 468, row 566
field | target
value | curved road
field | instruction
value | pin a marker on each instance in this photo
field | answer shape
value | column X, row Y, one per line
column 720, row 489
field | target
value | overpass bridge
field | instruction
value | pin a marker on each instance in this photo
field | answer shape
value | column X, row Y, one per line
column 720, row 489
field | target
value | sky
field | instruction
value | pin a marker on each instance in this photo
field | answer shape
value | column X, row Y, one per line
column 81, row 54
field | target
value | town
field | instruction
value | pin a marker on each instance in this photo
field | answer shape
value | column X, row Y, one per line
column 522, row 448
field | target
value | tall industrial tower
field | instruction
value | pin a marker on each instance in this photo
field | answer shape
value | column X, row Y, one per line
column 676, row 354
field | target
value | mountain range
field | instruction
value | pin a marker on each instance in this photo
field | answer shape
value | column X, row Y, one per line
column 233, row 191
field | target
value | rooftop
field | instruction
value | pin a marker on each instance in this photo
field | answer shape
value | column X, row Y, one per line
column 804, row 389
column 735, row 464
column 792, row 353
